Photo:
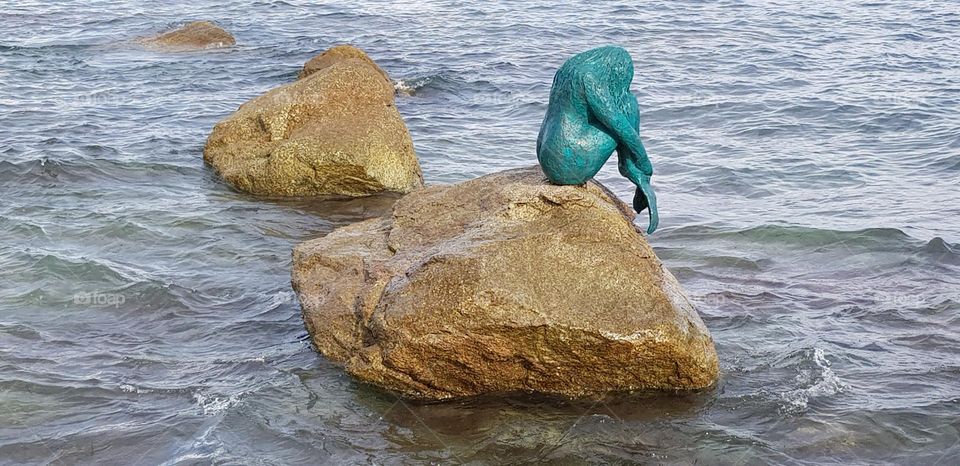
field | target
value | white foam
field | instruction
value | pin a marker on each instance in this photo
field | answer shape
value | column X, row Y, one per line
column 213, row 405
column 404, row 87
column 125, row 387
column 826, row 383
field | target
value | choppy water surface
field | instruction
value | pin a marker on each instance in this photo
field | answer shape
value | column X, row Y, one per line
column 807, row 156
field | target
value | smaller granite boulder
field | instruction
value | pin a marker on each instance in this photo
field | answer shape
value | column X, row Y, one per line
column 334, row 132
column 505, row 283
column 195, row 35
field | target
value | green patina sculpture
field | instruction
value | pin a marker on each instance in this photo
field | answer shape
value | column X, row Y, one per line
column 591, row 114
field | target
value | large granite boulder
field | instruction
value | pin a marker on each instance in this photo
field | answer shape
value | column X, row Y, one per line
column 334, row 132
column 191, row 36
column 501, row 284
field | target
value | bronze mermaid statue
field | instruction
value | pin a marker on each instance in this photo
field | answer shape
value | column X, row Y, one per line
column 592, row 113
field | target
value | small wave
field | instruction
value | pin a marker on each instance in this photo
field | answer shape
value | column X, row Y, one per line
column 458, row 84
column 21, row 331
column 75, row 268
column 735, row 262
column 822, row 240
column 410, row 86
column 821, row 381
column 47, row 170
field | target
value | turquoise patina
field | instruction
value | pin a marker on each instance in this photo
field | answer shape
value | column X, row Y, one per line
column 591, row 114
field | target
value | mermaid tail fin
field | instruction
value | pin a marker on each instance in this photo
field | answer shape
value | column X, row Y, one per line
column 645, row 198
column 638, row 170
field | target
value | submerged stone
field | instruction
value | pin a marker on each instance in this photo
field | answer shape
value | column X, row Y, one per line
column 191, row 36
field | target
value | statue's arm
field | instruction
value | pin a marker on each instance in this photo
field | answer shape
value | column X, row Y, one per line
column 633, row 162
column 624, row 129
column 630, row 162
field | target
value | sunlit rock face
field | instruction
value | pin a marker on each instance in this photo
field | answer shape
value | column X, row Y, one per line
column 500, row 284
column 336, row 131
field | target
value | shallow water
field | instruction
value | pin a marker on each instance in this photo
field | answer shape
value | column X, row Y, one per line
column 807, row 157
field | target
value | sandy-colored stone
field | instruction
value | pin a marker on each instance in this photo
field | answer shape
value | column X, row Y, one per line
column 501, row 284
column 335, row 54
column 192, row 36
column 334, row 132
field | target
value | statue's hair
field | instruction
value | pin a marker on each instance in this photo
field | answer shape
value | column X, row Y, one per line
column 610, row 63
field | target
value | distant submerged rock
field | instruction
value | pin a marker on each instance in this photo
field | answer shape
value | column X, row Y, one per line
column 335, row 131
column 191, row 36
column 502, row 284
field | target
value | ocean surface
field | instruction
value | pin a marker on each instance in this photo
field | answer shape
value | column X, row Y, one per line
column 807, row 159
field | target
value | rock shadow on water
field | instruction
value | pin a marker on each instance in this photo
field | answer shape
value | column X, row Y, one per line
column 525, row 426
column 340, row 210
column 317, row 215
